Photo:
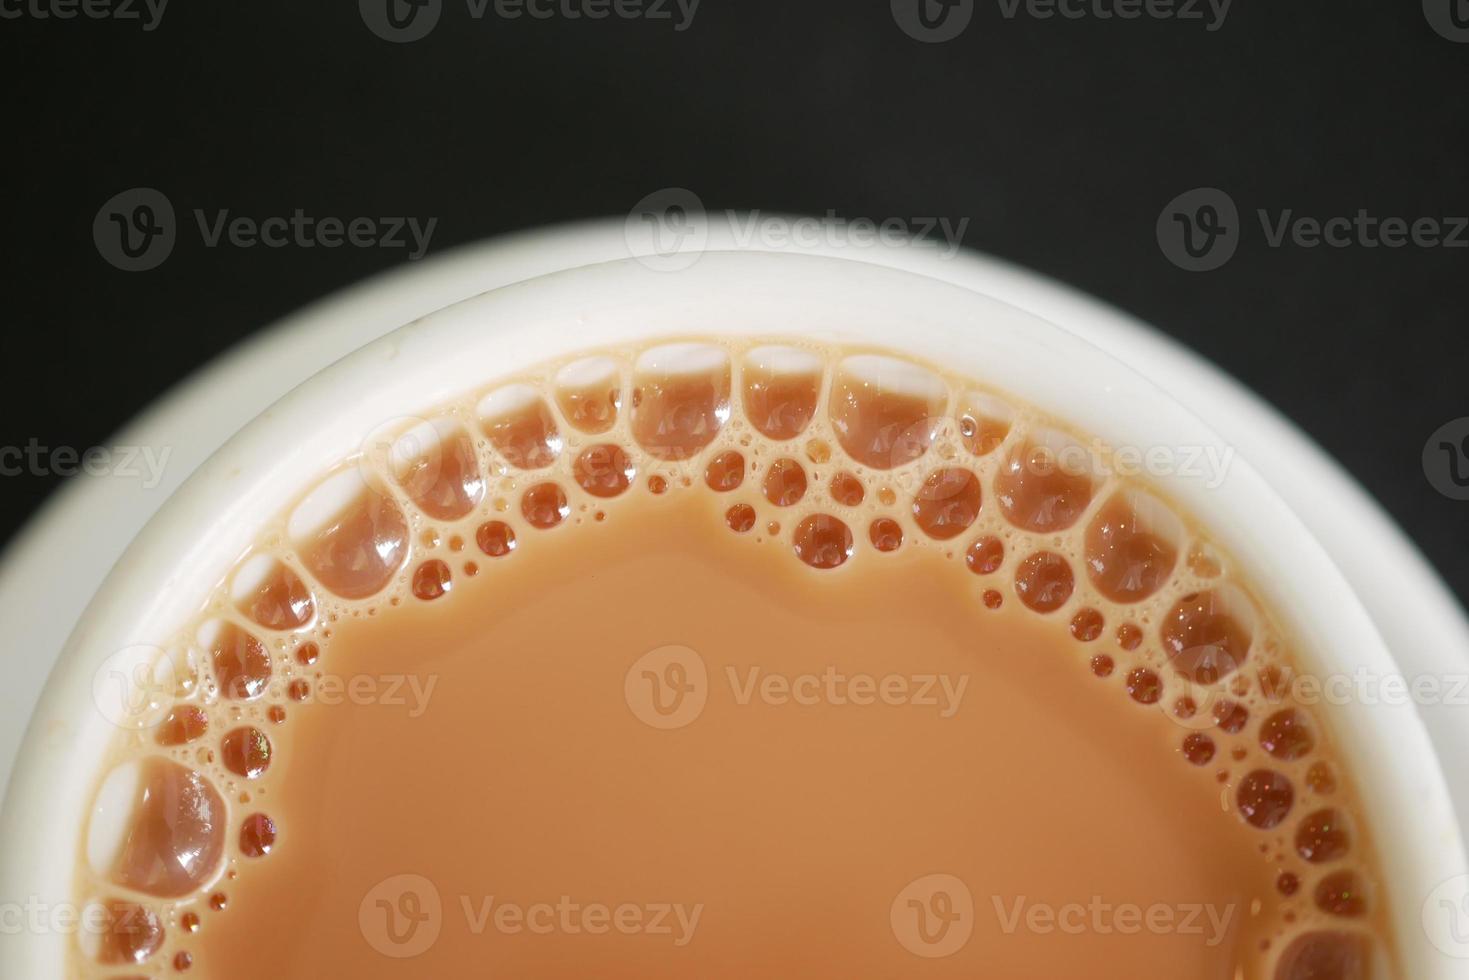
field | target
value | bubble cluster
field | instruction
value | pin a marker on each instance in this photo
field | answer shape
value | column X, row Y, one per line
column 828, row 459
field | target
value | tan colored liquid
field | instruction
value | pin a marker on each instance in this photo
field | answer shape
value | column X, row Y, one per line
column 662, row 697
column 793, row 827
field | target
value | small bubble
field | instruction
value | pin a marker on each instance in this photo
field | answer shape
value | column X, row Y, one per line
column 1044, row 581
column 1086, row 625
column 429, row 539
column 740, row 518
column 985, row 556
column 822, row 541
column 1322, row 837
column 725, row 472
column 1264, row 798
column 1036, row 492
column 993, row 599
column 1102, row 665
column 1287, row 735
column 1127, row 557
column 431, row 580
column 182, row 960
column 947, row 503
column 129, row 933
column 219, row 901
column 1287, row 883
column 276, row 714
column 1129, row 636
column 1204, row 641
column 184, row 724
column 307, row 653
column 846, row 489
column 886, row 534
column 817, row 451
column 189, row 922
column 246, row 752
column 1231, row 716
column 1198, row 748
column 1143, row 685
column 545, row 505
column 604, row 470
column 785, row 483
column 241, row 663
column 1342, row 893
column 299, row 690
column 1185, row 708
column 495, row 538
column 886, row 496
column 456, row 543
column 257, row 835
column 656, row 484
column 471, row 569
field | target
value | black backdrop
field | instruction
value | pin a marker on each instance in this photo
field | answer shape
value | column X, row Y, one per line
column 1061, row 140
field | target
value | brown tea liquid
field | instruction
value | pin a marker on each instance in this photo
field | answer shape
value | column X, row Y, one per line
column 710, row 660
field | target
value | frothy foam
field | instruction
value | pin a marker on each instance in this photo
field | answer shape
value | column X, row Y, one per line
column 840, row 459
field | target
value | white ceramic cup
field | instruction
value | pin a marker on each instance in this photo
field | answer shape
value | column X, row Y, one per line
column 187, row 549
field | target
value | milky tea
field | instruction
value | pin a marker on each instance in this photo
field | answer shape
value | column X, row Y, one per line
column 721, row 659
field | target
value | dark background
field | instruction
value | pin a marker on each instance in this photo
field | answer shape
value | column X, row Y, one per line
column 1060, row 140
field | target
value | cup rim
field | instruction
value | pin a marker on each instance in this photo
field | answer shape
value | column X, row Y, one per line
column 170, row 566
